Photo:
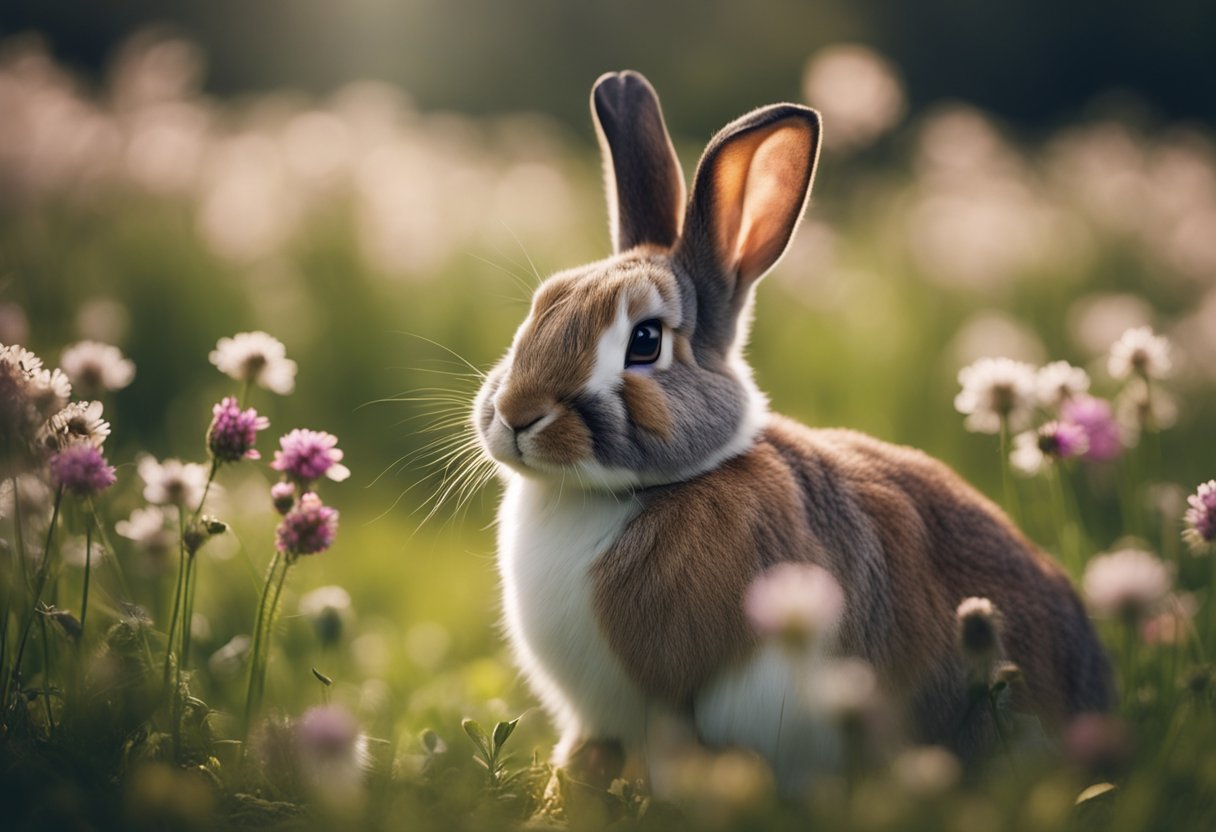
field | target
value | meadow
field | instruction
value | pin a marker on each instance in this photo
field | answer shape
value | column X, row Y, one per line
column 392, row 252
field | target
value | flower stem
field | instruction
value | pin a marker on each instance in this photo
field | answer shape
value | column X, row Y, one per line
column 258, row 630
column 88, row 565
column 177, row 595
column 215, row 466
column 1011, row 494
column 39, row 586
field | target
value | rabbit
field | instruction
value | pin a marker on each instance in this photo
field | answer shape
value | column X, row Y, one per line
column 647, row 485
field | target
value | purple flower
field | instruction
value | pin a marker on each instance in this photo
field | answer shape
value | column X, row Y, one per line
column 1200, row 532
column 308, row 528
column 283, row 494
column 82, row 470
column 234, row 431
column 1096, row 418
column 308, row 455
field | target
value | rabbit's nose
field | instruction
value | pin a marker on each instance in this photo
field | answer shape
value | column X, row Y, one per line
column 518, row 426
column 518, row 414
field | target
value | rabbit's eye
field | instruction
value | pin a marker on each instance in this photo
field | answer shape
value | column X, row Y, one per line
column 645, row 343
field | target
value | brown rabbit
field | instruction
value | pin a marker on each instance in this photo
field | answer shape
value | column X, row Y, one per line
column 647, row 485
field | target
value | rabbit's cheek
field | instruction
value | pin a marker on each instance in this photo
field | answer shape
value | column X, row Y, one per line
column 646, row 404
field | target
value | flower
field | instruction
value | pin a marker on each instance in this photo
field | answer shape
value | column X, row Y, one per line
column 996, row 392
column 1139, row 352
column 82, row 470
column 794, row 602
column 1128, row 583
column 846, row 688
column 1103, row 435
column 1200, row 518
column 1054, row 440
column 20, row 358
column 96, row 368
column 329, row 609
column 331, row 753
column 283, row 495
column 979, row 638
column 48, row 391
column 146, row 528
column 78, row 423
column 1058, row 382
column 256, row 358
column 172, row 482
column 226, row 662
column 307, row 455
column 308, row 529
column 1140, row 406
column 233, row 431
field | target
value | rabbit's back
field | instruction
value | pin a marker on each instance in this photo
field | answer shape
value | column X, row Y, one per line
column 938, row 542
column 906, row 538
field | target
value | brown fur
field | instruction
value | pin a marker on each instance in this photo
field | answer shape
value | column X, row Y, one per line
column 647, row 404
column 906, row 538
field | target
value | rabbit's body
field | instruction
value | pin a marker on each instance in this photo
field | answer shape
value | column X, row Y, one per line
column 647, row 486
column 598, row 607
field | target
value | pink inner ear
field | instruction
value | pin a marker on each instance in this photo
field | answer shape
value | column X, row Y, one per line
column 759, row 189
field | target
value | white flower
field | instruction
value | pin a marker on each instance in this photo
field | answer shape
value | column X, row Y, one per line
column 95, row 367
column 996, row 390
column 1058, row 382
column 226, row 662
column 1140, row 406
column 146, row 527
column 79, row 422
column 1139, row 352
column 1128, row 583
column 172, row 482
column 845, row 688
column 1027, row 457
column 323, row 600
column 329, row 610
column 48, row 391
column 257, row 358
column 21, row 358
column 795, row 602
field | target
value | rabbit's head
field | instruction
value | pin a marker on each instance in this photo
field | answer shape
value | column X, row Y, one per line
column 629, row 371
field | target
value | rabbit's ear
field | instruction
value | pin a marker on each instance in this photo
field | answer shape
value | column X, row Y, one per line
column 641, row 172
column 748, row 196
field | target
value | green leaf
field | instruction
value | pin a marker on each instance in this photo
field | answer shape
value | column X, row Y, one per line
column 503, row 732
column 322, row 678
column 477, row 734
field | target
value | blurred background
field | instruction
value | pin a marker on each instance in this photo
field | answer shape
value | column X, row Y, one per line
column 378, row 184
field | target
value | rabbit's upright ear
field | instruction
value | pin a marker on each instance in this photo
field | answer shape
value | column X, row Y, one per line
column 641, row 172
column 748, row 196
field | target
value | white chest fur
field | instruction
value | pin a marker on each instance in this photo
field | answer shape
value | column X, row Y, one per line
column 548, row 538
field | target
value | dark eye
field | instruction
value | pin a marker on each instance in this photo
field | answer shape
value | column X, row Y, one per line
column 645, row 343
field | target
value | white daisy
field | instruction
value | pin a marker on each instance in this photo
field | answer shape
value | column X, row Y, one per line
column 1139, row 352
column 1058, row 382
column 257, row 358
column 996, row 391
column 48, row 391
column 79, row 422
column 1129, row 583
column 1027, row 457
column 96, row 368
column 147, row 528
column 325, row 600
column 21, row 358
column 172, row 482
